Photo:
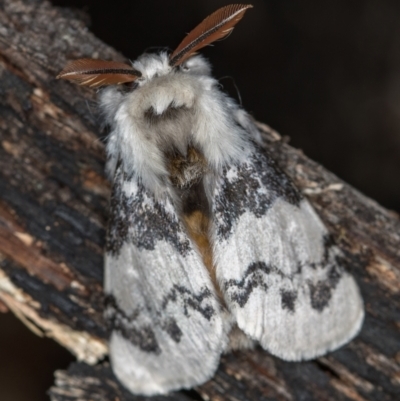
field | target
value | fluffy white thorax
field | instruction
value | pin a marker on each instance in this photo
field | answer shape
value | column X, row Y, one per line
column 204, row 117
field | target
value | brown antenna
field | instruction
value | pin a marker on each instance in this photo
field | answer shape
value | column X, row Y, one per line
column 96, row 73
column 216, row 26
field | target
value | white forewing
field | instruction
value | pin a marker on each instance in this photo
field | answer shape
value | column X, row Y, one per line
column 281, row 275
column 161, row 305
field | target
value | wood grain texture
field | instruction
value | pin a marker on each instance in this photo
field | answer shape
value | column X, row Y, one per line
column 53, row 212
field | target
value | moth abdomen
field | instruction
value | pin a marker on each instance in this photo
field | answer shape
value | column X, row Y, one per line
column 187, row 177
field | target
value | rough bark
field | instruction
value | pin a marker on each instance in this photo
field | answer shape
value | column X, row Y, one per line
column 53, row 210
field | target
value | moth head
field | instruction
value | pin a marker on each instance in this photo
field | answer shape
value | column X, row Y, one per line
column 153, row 65
column 96, row 73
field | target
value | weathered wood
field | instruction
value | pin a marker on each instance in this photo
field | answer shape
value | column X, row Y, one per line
column 53, row 210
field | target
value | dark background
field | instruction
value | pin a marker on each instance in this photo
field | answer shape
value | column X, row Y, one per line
column 324, row 73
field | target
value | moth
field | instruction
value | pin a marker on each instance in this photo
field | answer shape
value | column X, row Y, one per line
column 210, row 246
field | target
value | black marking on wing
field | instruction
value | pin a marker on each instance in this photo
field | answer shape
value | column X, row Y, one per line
column 142, row 337
column 240, row 291
column 321, row 292
column 172, row 329
column 258, row 184
column 189, row 300
column 255, row 276
column 133, row 220
column 288, row 299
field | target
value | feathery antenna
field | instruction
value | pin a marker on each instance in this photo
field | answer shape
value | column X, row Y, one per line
column 216, row 26
column 96, row 73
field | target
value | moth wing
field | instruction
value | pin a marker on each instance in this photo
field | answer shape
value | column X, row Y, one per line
column 281, row 275
column 167, row 331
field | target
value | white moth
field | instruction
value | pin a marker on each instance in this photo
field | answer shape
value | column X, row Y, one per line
column 210, row 246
